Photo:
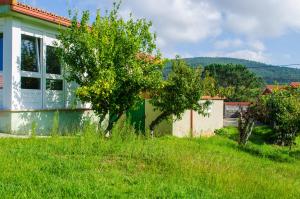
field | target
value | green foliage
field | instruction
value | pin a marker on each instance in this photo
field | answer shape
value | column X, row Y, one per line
column 55, row 124
column 131, row 166
column 281, row 110
column 112, row 61
column 181, row 91
column 269, row 73
column 236, row 82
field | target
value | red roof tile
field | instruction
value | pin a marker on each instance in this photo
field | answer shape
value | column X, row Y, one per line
column 237, row 103
column 36, row 13
column 295, row 84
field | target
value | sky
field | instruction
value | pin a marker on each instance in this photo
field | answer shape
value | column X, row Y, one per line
column 262, row 30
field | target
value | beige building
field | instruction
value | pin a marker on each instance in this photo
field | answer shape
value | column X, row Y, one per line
column 192, row 124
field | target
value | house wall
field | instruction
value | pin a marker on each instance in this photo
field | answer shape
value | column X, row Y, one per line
column 19, row 108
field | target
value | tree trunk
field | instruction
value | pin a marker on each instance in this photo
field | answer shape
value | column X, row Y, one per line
column 112, row 122
column 157, row 121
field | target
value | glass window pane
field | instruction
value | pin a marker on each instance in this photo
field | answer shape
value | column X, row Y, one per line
column 54, row 84
column 30, row 83
column 52, row 61
column 1, row 51
column 29, row 54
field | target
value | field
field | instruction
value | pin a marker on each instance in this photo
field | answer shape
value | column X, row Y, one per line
column 89, row 166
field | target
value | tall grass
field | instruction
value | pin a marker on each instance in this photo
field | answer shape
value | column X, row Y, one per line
column 129, row 164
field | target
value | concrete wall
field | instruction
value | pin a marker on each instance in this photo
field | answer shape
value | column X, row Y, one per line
column 182, row 127
column 22, row 122
column 199, row 126
column 206, row 125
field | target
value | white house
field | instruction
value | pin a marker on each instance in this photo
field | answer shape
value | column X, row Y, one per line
column 32, row 87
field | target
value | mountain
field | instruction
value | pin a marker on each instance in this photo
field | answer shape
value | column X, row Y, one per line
column 270, row 73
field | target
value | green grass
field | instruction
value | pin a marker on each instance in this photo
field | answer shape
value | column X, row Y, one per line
column 128, row 166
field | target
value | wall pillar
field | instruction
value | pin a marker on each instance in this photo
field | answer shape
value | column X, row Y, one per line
column 11, row 65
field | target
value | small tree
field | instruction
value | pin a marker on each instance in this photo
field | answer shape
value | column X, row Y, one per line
column 245, row 125
column 112, row 61
column 282, row 113
column 181, row 91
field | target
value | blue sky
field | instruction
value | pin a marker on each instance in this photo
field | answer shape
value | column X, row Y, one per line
column 266, row 31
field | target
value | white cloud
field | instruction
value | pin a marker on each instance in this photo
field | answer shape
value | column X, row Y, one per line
column 178, row 20
column 259, row 19
column 228, row 43
column 191, row 23
column 241, row 54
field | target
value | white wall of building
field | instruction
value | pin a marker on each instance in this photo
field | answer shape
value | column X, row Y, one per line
column 15, row 98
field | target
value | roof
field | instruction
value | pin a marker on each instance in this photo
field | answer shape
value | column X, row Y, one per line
column 295, row 84
column 237, row 103
column 212, row 98
column 35, row 12
column 270, row 88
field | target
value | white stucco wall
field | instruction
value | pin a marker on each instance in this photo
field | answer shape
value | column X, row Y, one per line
column 206, row 125
column 184, row 127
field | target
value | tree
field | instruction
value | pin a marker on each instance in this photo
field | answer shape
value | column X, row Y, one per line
column 181, row 91
column 281, row 110
column 236, row 82
column 112, row 61
column 245, row 125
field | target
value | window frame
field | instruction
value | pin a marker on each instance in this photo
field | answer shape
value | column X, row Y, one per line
column 40, row 55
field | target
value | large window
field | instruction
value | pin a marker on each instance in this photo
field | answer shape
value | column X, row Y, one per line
column 30, row 83
column 30, row 53
column 53, row 65
column 54, row 84
column 1, row 51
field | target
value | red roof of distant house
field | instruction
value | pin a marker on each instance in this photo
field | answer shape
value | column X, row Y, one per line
column 237, row 103
column 295, row 84
column 270, row 88
column 35, row 12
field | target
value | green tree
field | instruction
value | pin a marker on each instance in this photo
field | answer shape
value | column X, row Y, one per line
column 235, row 82
column 112, row 61
column 281, row 110
column 181, row 91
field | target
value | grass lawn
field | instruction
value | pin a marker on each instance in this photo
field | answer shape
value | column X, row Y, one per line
column 92, row 167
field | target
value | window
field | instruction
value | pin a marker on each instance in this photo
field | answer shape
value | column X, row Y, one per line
column 30, row 53
column 54, row 84
column 53, row 65
column 1, row 51
column 30, row 83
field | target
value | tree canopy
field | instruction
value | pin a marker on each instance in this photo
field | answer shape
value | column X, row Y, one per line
column 181, row 91
column 112, row 61
column 236, row 81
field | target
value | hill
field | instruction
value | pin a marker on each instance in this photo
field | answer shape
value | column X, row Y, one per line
column 270, row 73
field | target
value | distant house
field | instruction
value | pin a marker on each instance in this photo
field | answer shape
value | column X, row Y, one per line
column 295, row 84
column 271, row 88
column 232, row 109
column 32, row 87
